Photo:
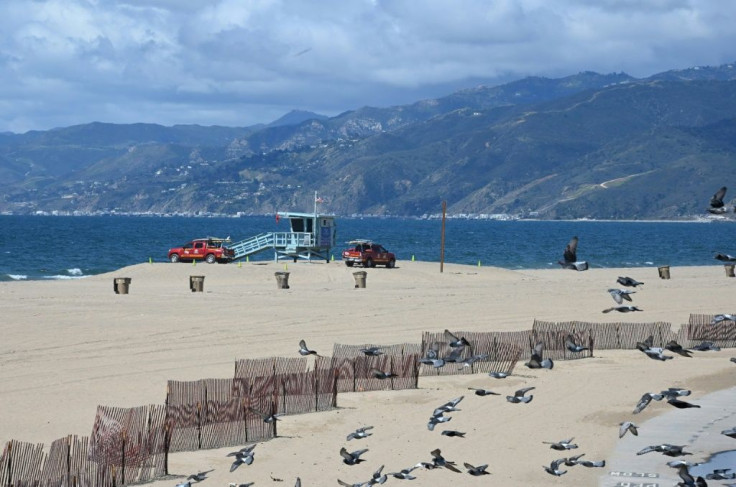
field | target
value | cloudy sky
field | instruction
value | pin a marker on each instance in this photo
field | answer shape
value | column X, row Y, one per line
column 241, row 62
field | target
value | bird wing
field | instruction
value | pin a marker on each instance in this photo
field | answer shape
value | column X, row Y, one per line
column 617, row 296
column 451, row 466
column 345, row 454
column 523, row 391
column 717, row 200
column 450, row 336
column 570, row 254
column 436, row 453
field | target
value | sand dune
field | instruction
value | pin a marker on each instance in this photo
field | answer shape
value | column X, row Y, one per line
column 68, row 346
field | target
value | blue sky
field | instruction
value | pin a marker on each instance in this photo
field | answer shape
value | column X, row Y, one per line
column 241, row 62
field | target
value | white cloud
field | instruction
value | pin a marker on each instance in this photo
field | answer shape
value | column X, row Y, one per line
column 238, row 62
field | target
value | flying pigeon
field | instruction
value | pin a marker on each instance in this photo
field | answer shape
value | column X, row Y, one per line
column 722, row 317
column 360, row 433
column 483, row 392
column 589, row 463
column 448, row 407
column 476, row 471
column 627, row 426
column 379, row 374
column 246, row 457
column 198, row 477
column 675, row 392
column 520, row 397
column 303, row 350
column 665, row 449
column 646, row 398
column 561, row 445
column 471, row 360
column 352, row 458
column 724, row 257
column 405, row 473
column 619, row 295
column 554, row 467
column 371, row 351
column 267, row 418
column 572, row 461
column 622, row 309
column 455, row 341
column 570, row 258
column 628, row 282
column 439, row 461
column 731, row 433
column 436, row 419
column 498, row 375
column 453, row 434
column 378, row 477
column 716, row 202
column 572, row 346
column 720, row 474
column 536, row 361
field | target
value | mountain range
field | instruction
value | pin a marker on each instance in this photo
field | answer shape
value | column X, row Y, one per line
column 599, row 146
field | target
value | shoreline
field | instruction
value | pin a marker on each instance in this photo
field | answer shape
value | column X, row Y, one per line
column 71, row 346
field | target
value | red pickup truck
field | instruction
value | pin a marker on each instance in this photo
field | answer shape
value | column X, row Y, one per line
column 208, row 249
column 368, row 254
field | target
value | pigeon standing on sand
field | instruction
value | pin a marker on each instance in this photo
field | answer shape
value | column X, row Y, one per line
column 304, row 350
column 570, row 257
column 628, row 282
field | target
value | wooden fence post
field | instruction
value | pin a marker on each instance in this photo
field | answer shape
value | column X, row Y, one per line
column 122, row 467
column 199, row 425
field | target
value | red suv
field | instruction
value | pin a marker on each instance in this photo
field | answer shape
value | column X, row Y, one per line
column 368, row 254
column 209, row 249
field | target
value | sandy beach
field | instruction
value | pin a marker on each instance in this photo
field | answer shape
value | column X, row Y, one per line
column 69, row 346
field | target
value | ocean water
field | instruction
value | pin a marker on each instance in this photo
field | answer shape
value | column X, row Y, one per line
column 64, row 247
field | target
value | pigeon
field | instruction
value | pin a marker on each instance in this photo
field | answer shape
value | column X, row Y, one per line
column 476, row 471
column 665, row 449
column 627, row 426
column 675, row 347
column 453, row 433
column 720, row 474
column 622, row 309
column 242, row 451
column 733, row 359
column 628, row 282
column 722, row 317
column 498, row 375
column 572, row 461
column 561, row 445
column 684, row 472
column 731, row 433
column 439, row 461
column 378, row 477
column 436, row 419
column 471, row 360
column 298, row 482
column 371, row 351
column 724, row 257
column 675, row 392
column 646, row 398
column 448, row 407
column 716, row 202
column 619, row 295
column 360, row 433
column 304, row 350
column 405, row 473
column 455, row 341
column 570, row 258
column 536, row 361
column 267, row 418
column 483, row 392
column 572, row 346
column 379, row 374
column 706, row 346
column 589, row 463
column 198, row 477
column 656, row 353
column 455, row 355
column 352, row 458
column 554, row 467
column 432, row 356
column 246, row 457
column 646, row 344
column 520, row 397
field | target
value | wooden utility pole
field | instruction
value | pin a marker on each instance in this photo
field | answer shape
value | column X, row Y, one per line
column 442, row 240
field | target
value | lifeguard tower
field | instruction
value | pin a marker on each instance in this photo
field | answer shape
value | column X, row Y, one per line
column 310, row 236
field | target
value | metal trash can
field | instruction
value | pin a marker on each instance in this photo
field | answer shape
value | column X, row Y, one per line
column 121, row 285
column 282, row 280
column 360, row 277
column 729, row 270
column 664, row 272
column 196, row 284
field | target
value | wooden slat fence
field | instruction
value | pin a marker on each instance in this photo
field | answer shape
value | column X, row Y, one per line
column 624, row 336
column 246, row 368
column 353, row 368
column 699, row 329
column 504, row 349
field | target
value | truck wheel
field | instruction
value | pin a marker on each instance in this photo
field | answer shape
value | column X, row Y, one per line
column 369, row 263
column 210, row 259
column 391, row 264
column 174, row 258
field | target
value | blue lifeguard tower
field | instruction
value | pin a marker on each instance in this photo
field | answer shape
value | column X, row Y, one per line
column 310, row 236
